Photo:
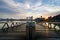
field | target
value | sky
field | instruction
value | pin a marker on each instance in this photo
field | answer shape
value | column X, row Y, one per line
column 23, row 8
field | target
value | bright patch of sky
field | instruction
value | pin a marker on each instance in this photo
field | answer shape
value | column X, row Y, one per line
column 23, row 8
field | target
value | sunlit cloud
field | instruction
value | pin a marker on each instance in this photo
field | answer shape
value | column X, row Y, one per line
column 24, row 8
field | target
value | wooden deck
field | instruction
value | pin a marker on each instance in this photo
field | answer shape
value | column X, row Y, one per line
column 19, row 33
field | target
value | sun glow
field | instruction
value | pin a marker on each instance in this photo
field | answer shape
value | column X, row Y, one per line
column 46, row 18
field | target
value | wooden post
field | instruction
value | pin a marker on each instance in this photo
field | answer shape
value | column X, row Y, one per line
column 30, row 29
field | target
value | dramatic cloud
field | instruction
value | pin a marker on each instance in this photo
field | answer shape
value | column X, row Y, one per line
column 24, row 8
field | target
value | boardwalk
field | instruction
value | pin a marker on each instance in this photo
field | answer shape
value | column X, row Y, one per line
column 41, row 33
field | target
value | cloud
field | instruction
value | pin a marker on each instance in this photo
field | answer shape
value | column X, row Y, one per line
column 25, row 8
column 51, row 2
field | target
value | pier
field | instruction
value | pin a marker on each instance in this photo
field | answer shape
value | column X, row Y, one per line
column 27, row 31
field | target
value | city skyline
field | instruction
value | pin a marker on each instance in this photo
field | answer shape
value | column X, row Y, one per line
column 23, row 8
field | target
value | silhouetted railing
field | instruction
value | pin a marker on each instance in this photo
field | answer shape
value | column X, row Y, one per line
column 52, row 25
column 4, row 26
column 7, row 25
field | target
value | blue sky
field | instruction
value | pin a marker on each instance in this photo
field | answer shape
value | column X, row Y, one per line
column 23, row 8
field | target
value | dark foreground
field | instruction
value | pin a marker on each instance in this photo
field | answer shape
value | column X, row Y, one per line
column 19, row 33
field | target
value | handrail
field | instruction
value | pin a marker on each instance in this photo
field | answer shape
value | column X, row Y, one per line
column 52, row 22
column 12, row 24
column 49, row 25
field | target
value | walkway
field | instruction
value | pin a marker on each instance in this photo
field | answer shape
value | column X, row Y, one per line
column 19, row 33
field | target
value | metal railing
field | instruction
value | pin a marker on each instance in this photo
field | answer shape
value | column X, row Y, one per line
column 52, row 25
column 7, row 25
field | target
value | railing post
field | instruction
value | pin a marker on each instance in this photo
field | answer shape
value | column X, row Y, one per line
column 49, row 24
column 16, row 23
column 54, row 27
column 12, row 24
column 5, row 29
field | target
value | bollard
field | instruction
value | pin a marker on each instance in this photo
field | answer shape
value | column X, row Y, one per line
column 12, row 26
column 30, row 28
column 30, row 31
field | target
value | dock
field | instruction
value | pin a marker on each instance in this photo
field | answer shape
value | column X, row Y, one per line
column 30, row 30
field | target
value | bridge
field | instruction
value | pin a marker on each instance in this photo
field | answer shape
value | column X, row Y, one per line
column 22, row 31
